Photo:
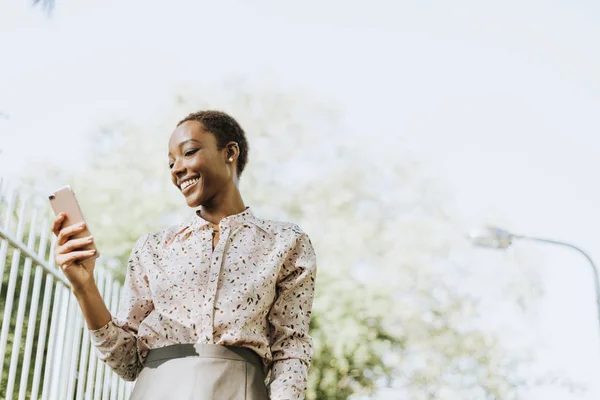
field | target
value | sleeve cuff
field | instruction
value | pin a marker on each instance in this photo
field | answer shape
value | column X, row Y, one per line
column 289, row 380
column 103, row 335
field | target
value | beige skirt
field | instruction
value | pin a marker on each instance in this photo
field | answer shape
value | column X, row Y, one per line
column 201, row 372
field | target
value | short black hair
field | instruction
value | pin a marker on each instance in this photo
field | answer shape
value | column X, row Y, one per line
column 226, row 129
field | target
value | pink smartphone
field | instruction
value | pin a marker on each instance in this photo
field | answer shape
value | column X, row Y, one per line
column 64, row 200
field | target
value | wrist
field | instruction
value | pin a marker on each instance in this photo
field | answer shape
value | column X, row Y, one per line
column 85, row 289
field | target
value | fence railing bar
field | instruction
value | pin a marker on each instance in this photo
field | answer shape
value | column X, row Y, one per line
column 76, row 339
column 113, row 309
column 83, row 360
column 33, row 313
column 21, row 307
column 94, row 361
column 67, row 341
column 58, row 362
column 12, row 284
column 110, row 378
column 126, row 386
column 100, row 391
column 51, row 338
column 10, row 206
column 127, row 389
column 91, row 375
column 41, row 344
column 121, row 389
column 38, row 260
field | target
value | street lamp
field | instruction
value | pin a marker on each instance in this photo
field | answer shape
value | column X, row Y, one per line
column 496, row 238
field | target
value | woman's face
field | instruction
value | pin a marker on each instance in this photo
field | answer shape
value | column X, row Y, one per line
column 198, row 168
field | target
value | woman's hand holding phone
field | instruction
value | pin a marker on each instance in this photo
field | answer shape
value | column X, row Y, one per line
column 76, row 262
column 76, row 253
column 76, row 256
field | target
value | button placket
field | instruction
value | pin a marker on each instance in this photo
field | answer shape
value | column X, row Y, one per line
column 204, row 327
column 213, row 280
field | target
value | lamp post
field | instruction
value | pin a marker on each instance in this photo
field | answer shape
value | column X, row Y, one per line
column 496, row 238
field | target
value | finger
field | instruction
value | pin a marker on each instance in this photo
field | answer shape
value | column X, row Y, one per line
column 66, row 233
column 58, row 221
column 61, row 260
column 71, row 258
column 74, row 244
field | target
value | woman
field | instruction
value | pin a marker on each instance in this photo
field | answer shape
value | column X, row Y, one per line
column 214, row 307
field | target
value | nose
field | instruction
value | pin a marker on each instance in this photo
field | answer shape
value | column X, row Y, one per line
column 178, row 169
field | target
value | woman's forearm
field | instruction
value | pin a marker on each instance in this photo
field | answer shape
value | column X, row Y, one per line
column 92, row 306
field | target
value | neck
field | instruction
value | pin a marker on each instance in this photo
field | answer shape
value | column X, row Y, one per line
column 224, row 205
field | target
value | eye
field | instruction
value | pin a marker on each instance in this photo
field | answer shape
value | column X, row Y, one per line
column 190, row 152
column 171, row 165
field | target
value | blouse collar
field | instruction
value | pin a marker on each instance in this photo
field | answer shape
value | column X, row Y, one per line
column 236, row 219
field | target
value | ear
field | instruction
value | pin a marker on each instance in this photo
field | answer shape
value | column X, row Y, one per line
column 232, row 152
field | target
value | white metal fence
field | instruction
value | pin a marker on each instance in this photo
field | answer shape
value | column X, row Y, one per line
column 45, row 351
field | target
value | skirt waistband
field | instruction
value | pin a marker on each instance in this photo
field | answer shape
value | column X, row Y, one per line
column 158, row 356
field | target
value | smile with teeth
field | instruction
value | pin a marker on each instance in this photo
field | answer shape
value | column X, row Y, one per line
column 188, row 183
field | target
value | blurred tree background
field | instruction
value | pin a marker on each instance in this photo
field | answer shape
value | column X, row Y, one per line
column 405, row 306
column 391, row 309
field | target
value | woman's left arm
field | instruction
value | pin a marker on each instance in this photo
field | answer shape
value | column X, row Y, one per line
column 289, row 317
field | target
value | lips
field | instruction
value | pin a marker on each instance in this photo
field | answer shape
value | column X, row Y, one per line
column 186, row 185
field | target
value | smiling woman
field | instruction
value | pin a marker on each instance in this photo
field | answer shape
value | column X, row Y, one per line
column 205, row 152
column 218, row 306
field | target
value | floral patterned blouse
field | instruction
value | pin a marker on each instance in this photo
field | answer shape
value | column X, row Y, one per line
column 254, row 290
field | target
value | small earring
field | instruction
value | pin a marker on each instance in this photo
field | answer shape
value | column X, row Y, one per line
column 230, row 159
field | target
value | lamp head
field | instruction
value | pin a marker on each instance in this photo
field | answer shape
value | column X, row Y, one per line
column 491, row 237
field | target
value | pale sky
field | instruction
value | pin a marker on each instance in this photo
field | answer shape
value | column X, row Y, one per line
column 502, row 100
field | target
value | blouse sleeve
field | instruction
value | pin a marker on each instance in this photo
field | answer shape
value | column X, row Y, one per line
column 116, row 342
column 289, row 317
